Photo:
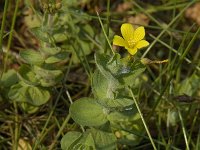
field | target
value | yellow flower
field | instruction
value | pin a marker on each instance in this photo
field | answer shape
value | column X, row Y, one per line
column 132, row 39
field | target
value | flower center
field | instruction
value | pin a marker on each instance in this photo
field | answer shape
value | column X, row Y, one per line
column 131, row 43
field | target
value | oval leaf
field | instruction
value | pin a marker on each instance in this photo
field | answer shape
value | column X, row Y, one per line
column 57, row 58
column 101, row 86
column 104, row 140
column 69, row 138
column 117, row 103
column 46, row 77
column 27, row 75
column 37, row 96
column 32, row 57
column 87, row 112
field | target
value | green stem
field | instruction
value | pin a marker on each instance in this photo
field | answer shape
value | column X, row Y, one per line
column 105, row 33
column 147, row 130
column 184, row 131
column 2, row 29
column 16, row 133
column 108, row 24
column 3, row 23
column 59, row 132
column 11, row 34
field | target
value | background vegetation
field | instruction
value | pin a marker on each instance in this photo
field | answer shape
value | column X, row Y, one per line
column 52, row 54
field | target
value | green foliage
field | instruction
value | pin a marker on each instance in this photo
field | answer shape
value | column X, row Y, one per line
column 69, row 138
column 113, row 75
column 46, row 77
column 89, row 113
column 59, row 57
column 92, row 139
column 45, row 74
column 32, row 57
column 76, row 140
column 35, row 96
column 189, row 86
column 26, row 75
column 102, row 87
column 104, row 140
column 9, row 78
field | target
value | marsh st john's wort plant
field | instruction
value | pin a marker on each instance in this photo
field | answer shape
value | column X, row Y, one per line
column 112, row 107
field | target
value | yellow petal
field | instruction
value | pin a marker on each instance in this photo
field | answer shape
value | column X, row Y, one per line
column 139, row 34
column 127, row 31
column 132, row 51
column 141, row 44
column 119, row 41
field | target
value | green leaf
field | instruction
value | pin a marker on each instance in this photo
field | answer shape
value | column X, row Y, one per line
column 172, row 117
column 130, row 121
column 121, row 71
column 60, row 37
column 32, row 57
column 128, row 78
column 40, row 34
column 87, row 29
column 26, row 74
column 35, row 96
column 46, row 77
column 17, row 93
column 69, row 138
column 189, row 86
column 51, row 50
column 30, row 109
column 87, row 112
column 102, row 87
column 104, row 140
column 87, row 141
column 101, row 62
column 117, row 103
column 75, row 140
column 9, row 78
column 129, row 115
column 57, row 58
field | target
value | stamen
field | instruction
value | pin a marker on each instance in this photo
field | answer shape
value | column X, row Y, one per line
column 131, row 43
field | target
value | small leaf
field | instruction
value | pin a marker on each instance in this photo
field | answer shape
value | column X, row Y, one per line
column 32, row 57
column 60, row 37
column 102, row 87
column 76, row 140
column 40, row 34
column 46, row 77
column 9, row 78
column 117, row 103
column 37, row 96
column 69, row 138
column 51, row 50
column 172, row 117
column 87, row 112
column 86, row 141
column 130, row 78
column 189, row 86
column 57, row 58
column 101, row 62
column 104, row 140
column 17, row 93
column 30, row 109
column 26, row 74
